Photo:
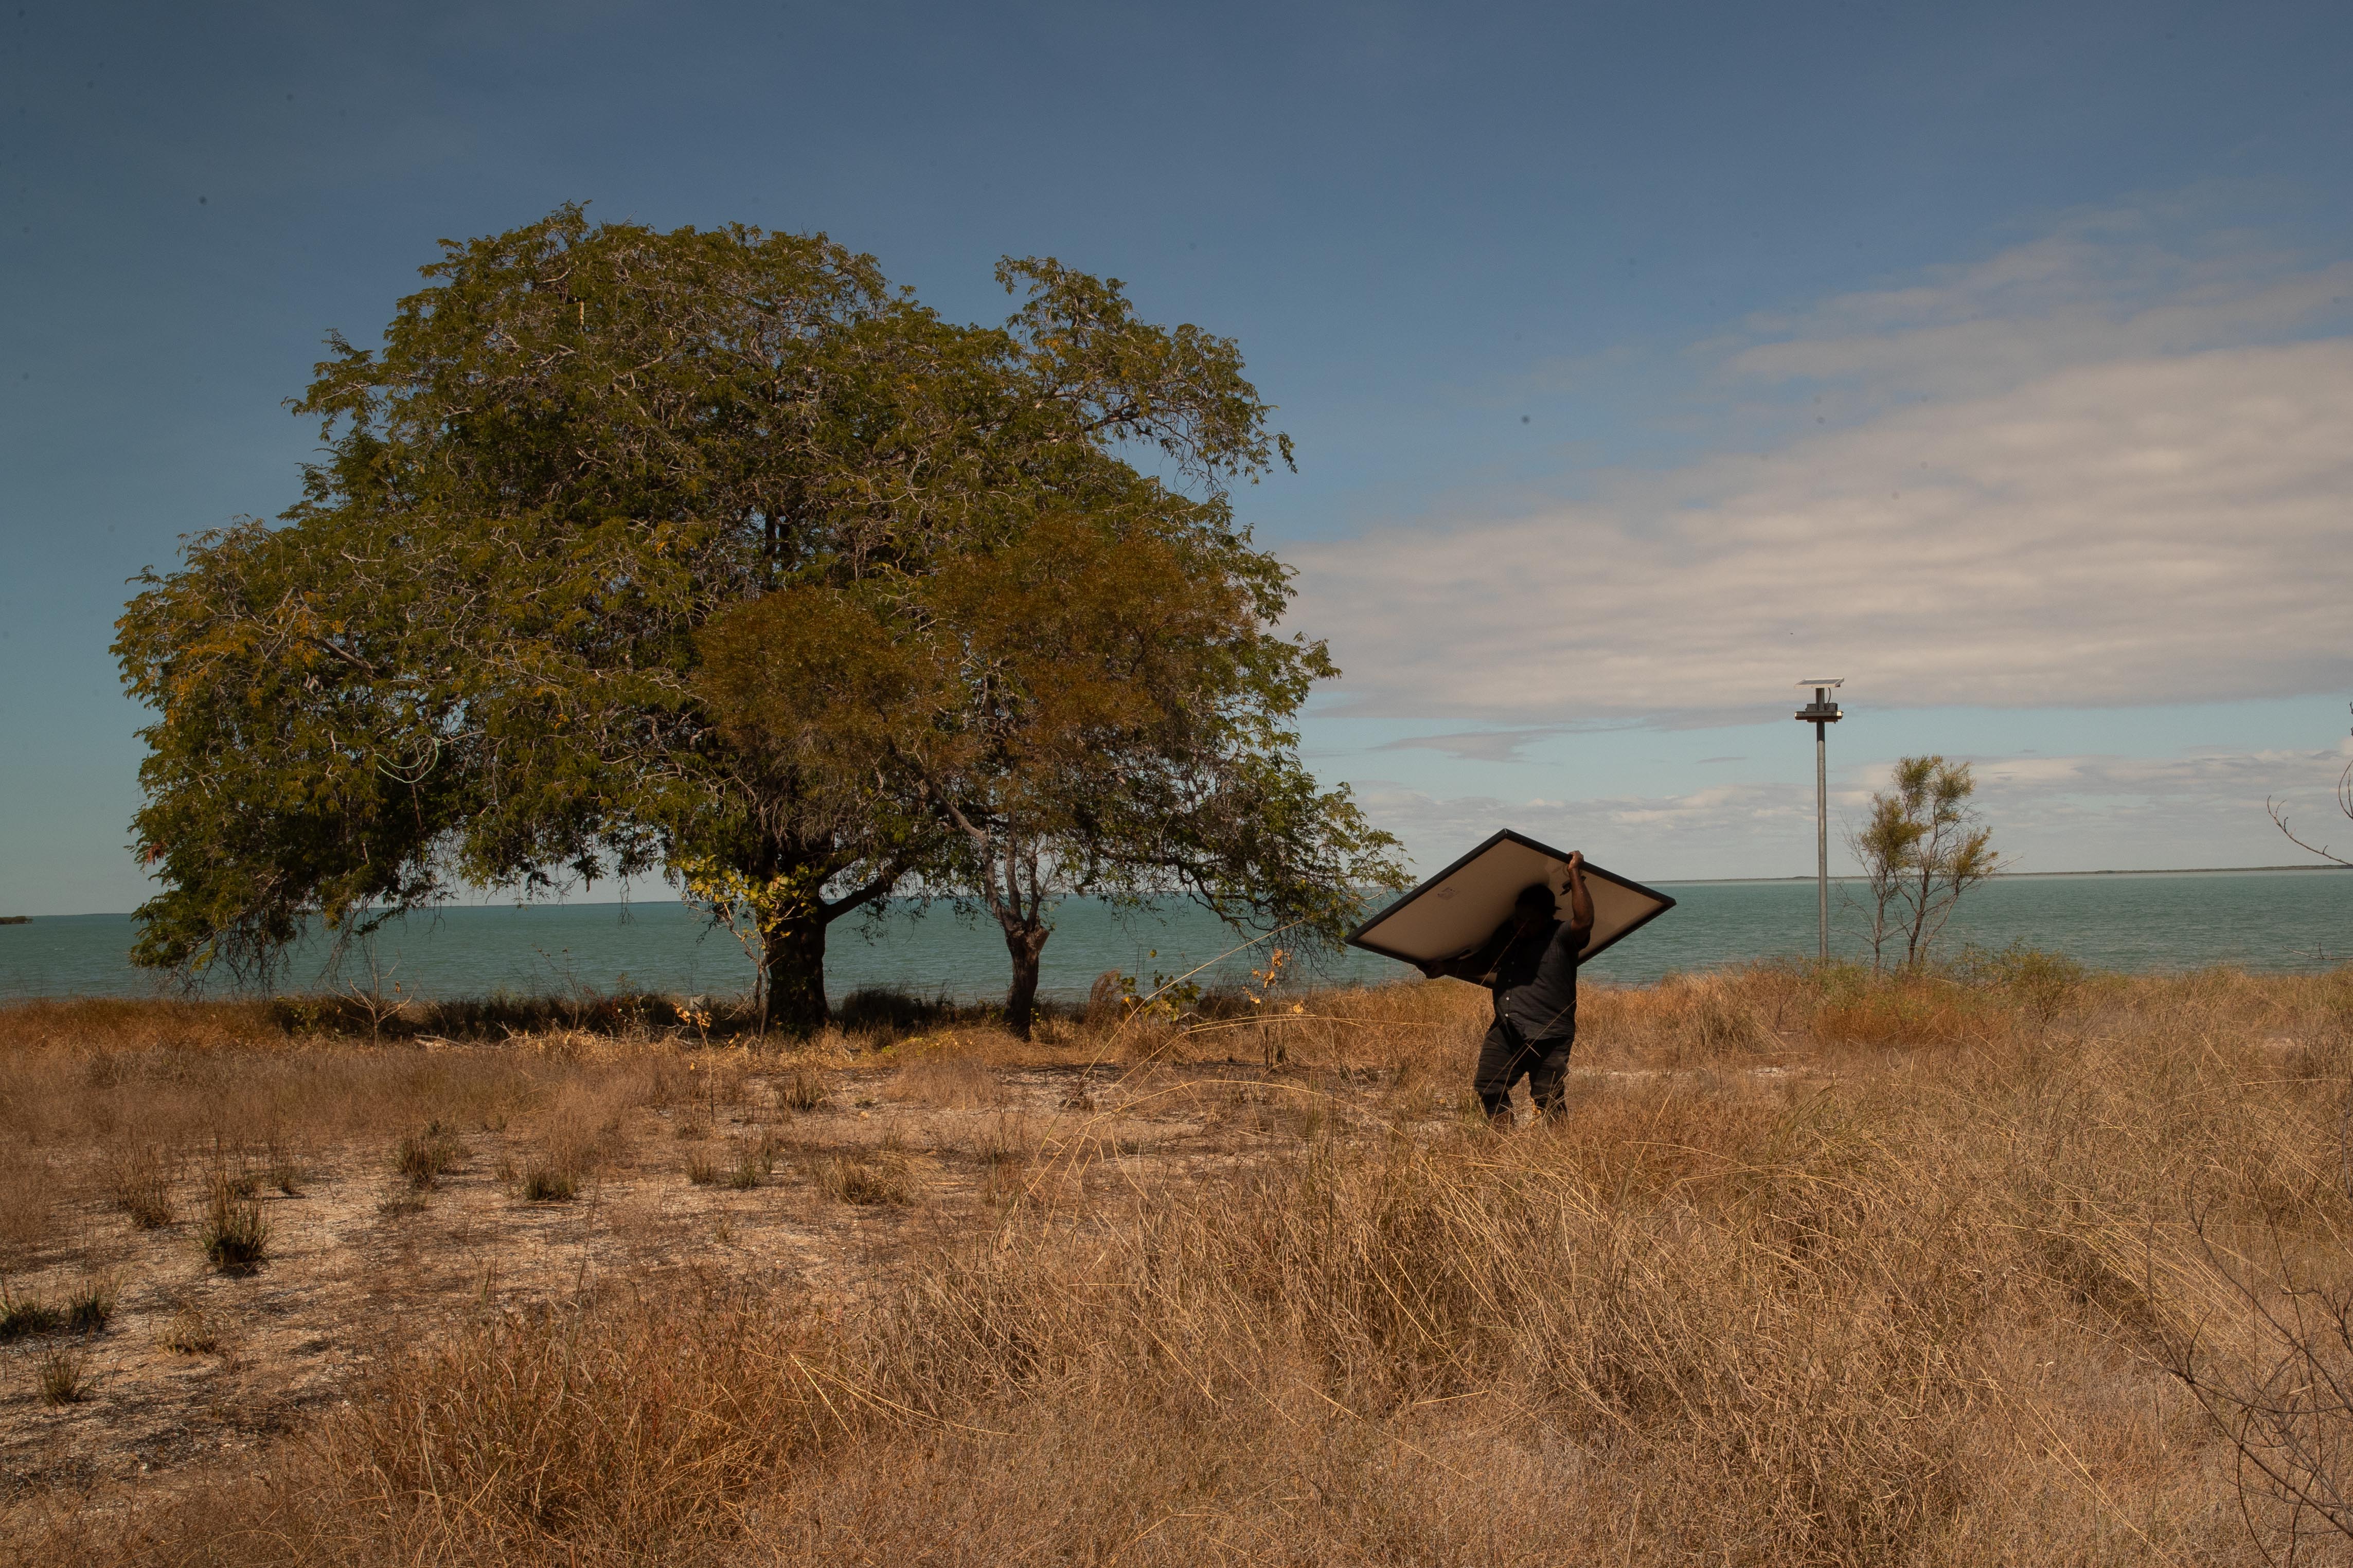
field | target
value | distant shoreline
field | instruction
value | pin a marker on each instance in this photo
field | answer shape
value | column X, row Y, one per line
column 1662, row 882
column 2020, row 876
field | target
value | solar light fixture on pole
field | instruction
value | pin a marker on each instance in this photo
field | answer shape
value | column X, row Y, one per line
column 1821, row 713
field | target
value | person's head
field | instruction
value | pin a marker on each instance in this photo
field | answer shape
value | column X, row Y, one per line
column 1535, row 903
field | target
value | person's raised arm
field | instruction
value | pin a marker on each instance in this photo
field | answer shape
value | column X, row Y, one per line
column 1580, row 902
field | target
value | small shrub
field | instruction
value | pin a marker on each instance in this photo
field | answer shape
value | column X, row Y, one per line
column 21, row 1316
column 701, row 1170
column 800, row 1091
column 557, row 1163
column 190, row 1332
column 234, row 1235
column 59, row 1375
column 424, row 1157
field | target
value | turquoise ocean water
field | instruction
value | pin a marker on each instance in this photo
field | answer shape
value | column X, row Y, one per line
column 2279, row 920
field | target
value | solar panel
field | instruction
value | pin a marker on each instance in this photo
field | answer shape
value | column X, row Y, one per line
column 1460, row 907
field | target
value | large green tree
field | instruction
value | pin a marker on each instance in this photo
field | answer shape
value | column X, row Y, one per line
column 1088, row 702
column 474, row 652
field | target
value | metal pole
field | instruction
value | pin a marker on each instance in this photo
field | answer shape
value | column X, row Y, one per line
column 1822, row 832
column 1822, row 713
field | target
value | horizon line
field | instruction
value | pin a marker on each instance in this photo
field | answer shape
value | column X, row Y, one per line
column 1661, row 882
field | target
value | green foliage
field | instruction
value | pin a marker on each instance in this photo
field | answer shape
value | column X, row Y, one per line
column 707, row 551
column 1922, row 847
column 1097, row 702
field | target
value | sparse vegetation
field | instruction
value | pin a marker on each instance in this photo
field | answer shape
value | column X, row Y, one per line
column 2007, row 1263
column 755, row 1161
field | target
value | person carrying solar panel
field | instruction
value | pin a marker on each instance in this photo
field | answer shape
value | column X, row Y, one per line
column 1530, row 964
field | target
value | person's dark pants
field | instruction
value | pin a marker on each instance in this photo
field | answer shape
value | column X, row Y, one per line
column 1507, row 1055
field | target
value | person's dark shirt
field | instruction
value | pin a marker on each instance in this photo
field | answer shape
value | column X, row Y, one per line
column 1533, row 973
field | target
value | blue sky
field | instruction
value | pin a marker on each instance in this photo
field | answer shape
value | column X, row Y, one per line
column 1640, row 358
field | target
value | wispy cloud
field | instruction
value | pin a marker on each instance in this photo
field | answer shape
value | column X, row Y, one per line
column 1476, row 746
column 2203, row 807
column 2090, row 471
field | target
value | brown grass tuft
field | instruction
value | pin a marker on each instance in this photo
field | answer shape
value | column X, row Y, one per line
column 424, row 1157
column 800, row 1089
column 191, row 1331
column 233, row 1235
column 60, row 1375
column 864, row 1177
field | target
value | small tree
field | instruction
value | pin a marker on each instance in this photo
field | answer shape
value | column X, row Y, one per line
column 1922, row 847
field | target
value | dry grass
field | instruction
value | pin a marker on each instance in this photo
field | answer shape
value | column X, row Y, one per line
column 800, row 1091
column 941, row 1079
column 233, row 1235
column 424, row 1157
column 61, row 1376
column 190, row 1332
column 859, row 1176
column 139, row 1180
column 1822, row 1269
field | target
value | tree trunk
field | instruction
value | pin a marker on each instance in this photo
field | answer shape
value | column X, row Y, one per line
column 1024, row 940
column 792, row 957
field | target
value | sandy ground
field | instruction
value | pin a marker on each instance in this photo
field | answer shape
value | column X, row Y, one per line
column 358, row 1258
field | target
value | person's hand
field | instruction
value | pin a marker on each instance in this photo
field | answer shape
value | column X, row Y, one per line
column 1576, row 862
